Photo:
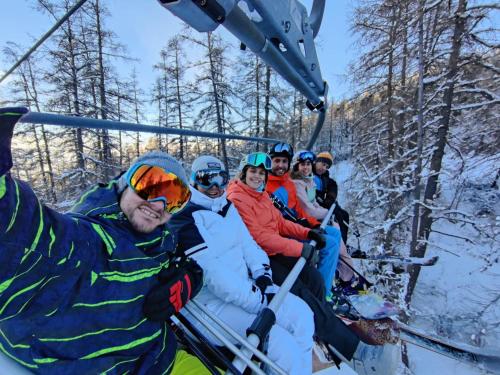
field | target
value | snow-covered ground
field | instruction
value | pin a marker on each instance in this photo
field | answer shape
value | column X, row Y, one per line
column 459, row 297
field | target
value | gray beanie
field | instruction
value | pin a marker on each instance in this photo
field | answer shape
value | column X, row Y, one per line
column 157, row 159
column 203, row 163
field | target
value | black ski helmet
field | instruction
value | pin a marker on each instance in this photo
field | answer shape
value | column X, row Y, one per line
column 282, row 149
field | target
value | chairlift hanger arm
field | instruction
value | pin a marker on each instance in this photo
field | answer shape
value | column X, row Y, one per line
column 278, row 31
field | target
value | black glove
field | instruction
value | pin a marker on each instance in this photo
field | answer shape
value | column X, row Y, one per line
column 178, row 284
column 318, row 236
column 310, row 254
column 263, row 281
column 303, row 221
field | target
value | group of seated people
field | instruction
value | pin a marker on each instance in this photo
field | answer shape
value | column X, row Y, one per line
column 92, row 290
column 246, row 248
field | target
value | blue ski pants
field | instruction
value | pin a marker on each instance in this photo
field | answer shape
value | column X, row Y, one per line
column 329, row 257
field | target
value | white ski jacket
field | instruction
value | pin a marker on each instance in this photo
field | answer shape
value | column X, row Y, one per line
column 212, row 232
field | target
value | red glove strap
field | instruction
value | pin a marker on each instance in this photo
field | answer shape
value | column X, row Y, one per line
column 175, row 295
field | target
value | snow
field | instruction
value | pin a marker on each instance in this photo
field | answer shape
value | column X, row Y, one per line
column 426, row 362
column 458, row 298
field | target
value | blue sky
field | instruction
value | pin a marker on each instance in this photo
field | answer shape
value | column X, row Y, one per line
column 144, row 27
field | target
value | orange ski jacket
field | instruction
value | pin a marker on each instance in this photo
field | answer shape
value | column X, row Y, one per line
column 270, row 230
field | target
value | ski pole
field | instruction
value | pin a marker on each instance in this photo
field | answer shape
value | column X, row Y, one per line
column 266, row 318
column 356, row 272
column 181, row 331
column 244, row 357
column 243, row 341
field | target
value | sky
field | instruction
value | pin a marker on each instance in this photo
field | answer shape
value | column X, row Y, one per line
column 144, row 28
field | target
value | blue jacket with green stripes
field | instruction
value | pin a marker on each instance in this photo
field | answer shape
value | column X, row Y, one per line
column 72, row 285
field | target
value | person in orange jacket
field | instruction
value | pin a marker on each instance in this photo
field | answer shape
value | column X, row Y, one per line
column 282, row 187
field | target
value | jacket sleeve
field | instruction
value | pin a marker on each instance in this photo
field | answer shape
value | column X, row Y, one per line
column 216, row 278
column 298, row 208
column 35, row 241
column 331, row 191
column 256, row 258
column 272, row 242
column 312, row 208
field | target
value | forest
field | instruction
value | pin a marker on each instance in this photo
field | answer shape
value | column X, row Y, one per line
column 418, row 138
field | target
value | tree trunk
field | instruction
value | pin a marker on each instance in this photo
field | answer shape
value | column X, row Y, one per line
column 442, row 136
column 267, row 105
column 257, row 100
column 106, row 144
column 48, row 158
column 215, row 91
column 179, row 100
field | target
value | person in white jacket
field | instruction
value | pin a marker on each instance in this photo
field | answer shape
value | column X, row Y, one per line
column 237, row 276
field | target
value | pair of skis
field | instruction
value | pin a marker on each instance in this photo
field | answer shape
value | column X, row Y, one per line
column 377, row 324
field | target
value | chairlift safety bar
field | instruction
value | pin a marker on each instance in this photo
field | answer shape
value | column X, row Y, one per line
column 85, row 122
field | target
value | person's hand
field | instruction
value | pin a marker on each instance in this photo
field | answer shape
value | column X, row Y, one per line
column 177, row 286
column 310, row 254
column 262, row 282
column 318, row 236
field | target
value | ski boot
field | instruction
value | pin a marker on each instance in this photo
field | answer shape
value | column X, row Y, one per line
column 375, row 359
column 342, row 307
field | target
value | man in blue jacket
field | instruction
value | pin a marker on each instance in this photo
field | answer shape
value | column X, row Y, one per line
column 90, row 291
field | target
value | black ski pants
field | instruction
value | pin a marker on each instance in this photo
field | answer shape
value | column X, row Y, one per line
column 310, row 287
column 342, row 217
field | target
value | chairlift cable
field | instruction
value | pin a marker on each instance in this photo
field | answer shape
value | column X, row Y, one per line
column 43, row 38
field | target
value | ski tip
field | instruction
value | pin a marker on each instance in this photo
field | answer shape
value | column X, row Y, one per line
column 433, row 260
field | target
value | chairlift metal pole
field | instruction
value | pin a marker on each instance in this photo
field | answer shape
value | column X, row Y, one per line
column 83, row 122
column 239, row 353
column 277, row 300
column 242, row 340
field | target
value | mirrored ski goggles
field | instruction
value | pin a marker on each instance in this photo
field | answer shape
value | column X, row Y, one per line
column 306, row 155
column 207, row 178
column 155, row 184
column 256, row 159
column 282, row 147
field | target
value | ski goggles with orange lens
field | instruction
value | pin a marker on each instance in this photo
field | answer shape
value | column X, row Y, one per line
column 257, row 159
column 207, row 178
column 153, row 183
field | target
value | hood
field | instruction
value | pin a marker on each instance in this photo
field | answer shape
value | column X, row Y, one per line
column 212, row 204
column 101, row 199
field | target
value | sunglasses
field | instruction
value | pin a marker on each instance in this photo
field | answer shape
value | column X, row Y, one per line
column 306, row 155
column 256, row 159
column 153, row 183
column 207, row 178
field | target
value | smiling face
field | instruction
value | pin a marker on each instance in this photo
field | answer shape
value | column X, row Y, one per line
column 305, row 168
column 214, row 192
column 143, row 215
column 279, row 165
column 255, row 177
column 321, row 167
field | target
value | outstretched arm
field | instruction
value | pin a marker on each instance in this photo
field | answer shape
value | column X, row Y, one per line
column 34, row 239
